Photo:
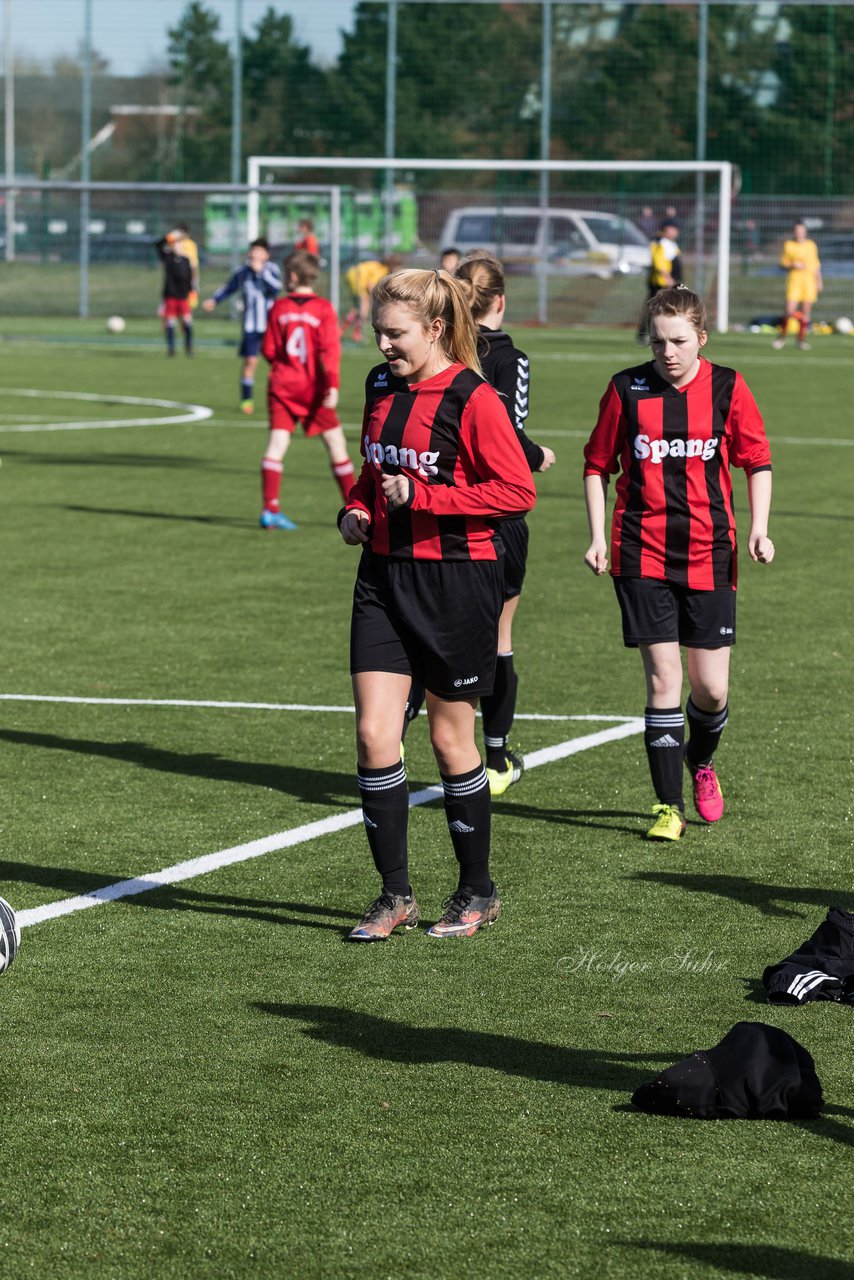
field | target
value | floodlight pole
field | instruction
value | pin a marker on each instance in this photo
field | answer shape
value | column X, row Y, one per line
column 390, row 124
column 545, row 153
column 9, row 70
column 700, row 204
column 85, row 164
column 236, row 127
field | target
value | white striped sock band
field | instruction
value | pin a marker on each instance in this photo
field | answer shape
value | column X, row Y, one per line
column 467, row 788
column 653, row 721
column 384, row 781
column 494, row 742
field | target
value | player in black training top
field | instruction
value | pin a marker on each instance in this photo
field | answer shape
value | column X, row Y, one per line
column 507, row 369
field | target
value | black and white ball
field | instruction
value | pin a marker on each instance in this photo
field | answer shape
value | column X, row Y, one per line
column 10, row 935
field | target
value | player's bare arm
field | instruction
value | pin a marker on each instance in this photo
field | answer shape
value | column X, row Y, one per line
column 595, row 492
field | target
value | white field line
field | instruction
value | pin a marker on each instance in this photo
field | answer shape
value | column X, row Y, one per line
column 287, row 839
column 190, row 412
column 247, row 706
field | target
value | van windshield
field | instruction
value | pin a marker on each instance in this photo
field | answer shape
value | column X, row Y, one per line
column 612, row 229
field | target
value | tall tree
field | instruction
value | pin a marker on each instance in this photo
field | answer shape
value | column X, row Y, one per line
column 201, row 71
column 287, row 103
column 464, row 74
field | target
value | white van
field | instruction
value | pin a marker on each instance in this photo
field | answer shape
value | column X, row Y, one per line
column 578, row 242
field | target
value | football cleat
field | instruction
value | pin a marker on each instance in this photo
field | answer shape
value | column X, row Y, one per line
column 778, row 344
column 247, row 406
column 275, row 520
column 466, row 912
column 803, row 346
column 708, row 800
column 669, row 823
column 500, row 779
column 384, row 915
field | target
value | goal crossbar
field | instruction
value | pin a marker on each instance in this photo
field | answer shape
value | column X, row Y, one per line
column 721, row 169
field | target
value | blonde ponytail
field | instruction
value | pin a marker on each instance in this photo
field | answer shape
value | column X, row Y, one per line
column 434, row 295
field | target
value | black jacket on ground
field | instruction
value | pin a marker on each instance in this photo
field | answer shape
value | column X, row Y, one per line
column 757, row 1072
column 822, row 968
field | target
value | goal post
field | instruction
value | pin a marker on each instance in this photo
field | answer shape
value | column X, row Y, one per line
column 331, row 192
column 722, row 171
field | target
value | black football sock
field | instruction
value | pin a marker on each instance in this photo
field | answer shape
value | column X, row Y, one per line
column 469, row 813
column 664, row 736
column 170, row 339
column 704, row 733
column 498, row 709
column 414, row 703
column 188, row 339
column 385, row 808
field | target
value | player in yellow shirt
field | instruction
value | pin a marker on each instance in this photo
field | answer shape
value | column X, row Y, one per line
column 361, row 279
column 665, row 266
column 803, row 284
column 190, row 250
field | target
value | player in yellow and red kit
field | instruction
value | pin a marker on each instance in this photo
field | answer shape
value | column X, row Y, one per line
column 301, row 343
column 803, row 284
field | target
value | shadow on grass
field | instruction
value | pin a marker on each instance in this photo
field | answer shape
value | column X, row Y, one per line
column 573, row 817
column 398, row 1042
column 768, row 1261
column 178, row 897
column 312, row 786
column 750, row 893
column 226, row 522
column 157, row 460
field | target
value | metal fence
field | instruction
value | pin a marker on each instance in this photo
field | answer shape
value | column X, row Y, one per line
column 590, row 247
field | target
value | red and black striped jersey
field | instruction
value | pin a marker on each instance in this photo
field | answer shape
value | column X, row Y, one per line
column 674, row 517
column 303, row 346
column 452, row 437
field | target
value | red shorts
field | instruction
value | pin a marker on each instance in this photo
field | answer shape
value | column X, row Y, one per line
column 175, row 309
column 284, row 415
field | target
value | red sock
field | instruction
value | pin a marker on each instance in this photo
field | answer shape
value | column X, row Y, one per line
column 803, row 327
column 345, row 475
column 271, row 483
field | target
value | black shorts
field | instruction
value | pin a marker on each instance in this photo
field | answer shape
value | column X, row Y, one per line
column 434, row 620
column 514, row 535
column 655, row 612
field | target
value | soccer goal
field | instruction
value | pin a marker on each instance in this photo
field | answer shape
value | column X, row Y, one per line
column 574, row 235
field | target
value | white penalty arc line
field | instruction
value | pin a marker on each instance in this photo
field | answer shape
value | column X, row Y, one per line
column 190, row 412
column 251, row 706
column 296, row 835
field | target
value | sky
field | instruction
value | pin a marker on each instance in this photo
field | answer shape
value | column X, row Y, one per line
column 131, row 34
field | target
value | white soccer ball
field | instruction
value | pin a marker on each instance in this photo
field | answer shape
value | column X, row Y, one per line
column 115, row 324
column 844, row 325
column 10, row 935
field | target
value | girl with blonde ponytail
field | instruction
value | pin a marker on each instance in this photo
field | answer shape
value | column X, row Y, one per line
column 442, row 468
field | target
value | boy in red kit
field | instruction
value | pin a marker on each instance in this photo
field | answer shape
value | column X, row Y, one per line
column 301, row 343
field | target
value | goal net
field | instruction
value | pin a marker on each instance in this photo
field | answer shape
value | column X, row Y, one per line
column 574, row 235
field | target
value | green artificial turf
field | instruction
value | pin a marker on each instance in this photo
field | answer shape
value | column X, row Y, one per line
column 203, row 1079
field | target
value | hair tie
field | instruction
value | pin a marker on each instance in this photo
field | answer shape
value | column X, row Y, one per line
column 436, row 274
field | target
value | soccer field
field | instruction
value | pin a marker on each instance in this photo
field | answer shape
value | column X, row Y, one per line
column 201, row 1078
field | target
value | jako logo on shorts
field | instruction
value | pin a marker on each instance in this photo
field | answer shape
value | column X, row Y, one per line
column 643, row 448
column 424, row 463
